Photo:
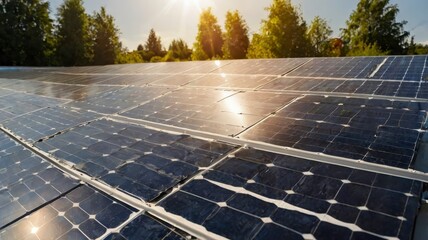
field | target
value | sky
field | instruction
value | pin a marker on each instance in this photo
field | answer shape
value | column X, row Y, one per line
column 172, row 19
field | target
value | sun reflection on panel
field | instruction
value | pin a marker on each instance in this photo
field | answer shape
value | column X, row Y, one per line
column 34, row 230
column 234, row 106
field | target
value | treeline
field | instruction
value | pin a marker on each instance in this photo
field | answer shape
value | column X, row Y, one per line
column 30, row 37
column 372, row 29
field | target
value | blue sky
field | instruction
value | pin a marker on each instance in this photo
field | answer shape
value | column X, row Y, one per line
column 179, row 18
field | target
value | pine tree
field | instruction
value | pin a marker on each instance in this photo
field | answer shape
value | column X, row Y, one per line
column 106, row 43
column 153, row 43
column 236, row 40
column 74, row 45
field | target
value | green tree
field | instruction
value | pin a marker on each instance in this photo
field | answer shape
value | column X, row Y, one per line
column 153, row 44
column 74, row 45
column 178, row 51
column 126, row 57
column 236, row 39
column 416, row 48
column 106, row 43
column 373, row 25
column 283, row 34
column 25, row 33
column 209, row 40
column 319, row 33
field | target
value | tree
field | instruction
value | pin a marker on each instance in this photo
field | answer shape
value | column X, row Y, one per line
column 209, row 40
column 74, row 41
column 106, row 43
column 373, row 25
column 25, row 33
column 153, row 44
column 416, row 48
column 236, row 40
column 178, row 51
column 283, row 34
column 126, row 57
column 319, row 33
column 336, row 48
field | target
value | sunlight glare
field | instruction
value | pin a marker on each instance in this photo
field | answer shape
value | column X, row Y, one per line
column 34, row 230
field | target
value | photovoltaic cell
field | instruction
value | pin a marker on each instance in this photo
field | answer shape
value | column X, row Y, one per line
column 137, row 160
column 262, row 195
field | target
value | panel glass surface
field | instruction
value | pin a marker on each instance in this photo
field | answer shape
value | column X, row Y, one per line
column 262, row 66
column 119, row 100
column 26, row 181
column 48, row 121
column 140, row 161
column 261, row 195
column 58, row 90
column 231, row 81
column 406, row 68
column 352, row 67
column 221, row 112
column 378, row 131
column 83, row 213
column 18, row 104
column 369, row 87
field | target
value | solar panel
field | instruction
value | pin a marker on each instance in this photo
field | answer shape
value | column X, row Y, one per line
column 404, row 68
column 177, row 80
column 378, row 131
column 262, row 195
column 140, row 161
column 323, row 148
column 224, row 112
column 360, row 67
column 118, row 100
column 231, row 81
column 48, row 121
column 262, row 66
column 368, row 87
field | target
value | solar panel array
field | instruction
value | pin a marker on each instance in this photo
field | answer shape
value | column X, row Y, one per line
column 320, row 148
